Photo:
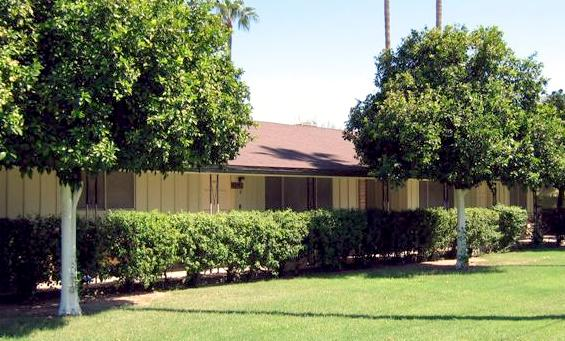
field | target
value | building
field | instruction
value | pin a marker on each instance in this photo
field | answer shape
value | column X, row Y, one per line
column 296, row 166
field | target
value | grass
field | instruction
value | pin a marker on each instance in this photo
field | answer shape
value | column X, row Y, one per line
column 518, row 295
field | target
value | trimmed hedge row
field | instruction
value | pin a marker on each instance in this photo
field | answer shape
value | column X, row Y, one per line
column 142, row 246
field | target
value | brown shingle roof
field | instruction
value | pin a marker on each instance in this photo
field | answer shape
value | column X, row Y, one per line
column 297, row 149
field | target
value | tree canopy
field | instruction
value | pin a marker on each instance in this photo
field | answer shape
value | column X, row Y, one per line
column 129, row 85
column 446, row 106
column 19, row 69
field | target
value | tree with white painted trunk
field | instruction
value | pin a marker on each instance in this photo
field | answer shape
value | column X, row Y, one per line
column 117, row 85
column 446, row 108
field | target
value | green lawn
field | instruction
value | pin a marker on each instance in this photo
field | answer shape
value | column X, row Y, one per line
column 519, row 295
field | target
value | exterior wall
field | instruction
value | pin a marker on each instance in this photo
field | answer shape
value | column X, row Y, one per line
column 177, row 192
column 36, row 195
column 345, row 193
column 252, row 195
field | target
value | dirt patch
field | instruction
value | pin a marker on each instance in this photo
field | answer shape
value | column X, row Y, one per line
column 89, row 305
column 474, row 261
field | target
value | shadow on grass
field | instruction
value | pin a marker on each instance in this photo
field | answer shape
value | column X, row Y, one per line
column 407, row 271
column 446, row 317
column 22, row 320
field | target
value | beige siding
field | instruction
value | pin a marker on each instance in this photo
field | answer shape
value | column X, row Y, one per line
column 398, row 198
column 49, row 196
column 15, row 190
column 345, row 193
column 181, row 192
column 252, row 195
column 3, row 193
column 32, row 191
column 141, row 192
column 168, row 194
column 412, row 194
column 194, row 193
column 154, row 191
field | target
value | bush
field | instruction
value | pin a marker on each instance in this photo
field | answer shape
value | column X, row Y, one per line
column 142, row 246
column 30, row 252
column 139, row 246
column 513, row 222
column 334, row 236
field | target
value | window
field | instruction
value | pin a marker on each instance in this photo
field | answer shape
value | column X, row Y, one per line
column 119, row 190
column 107, row 191
column 273, row 193
column 298, row 193
column 92, row 195
column 434, row 194
column 324, row 193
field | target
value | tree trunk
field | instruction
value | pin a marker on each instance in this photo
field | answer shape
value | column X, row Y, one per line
column 560, row 197
column 462, row 256
column 492, row 187
column 69, row 304
column 439, row 10
column 387, row 24
column 537, row 234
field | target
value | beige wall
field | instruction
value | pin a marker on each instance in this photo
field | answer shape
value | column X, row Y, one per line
column 19, row 196
column 39, row 195
column 345, row 193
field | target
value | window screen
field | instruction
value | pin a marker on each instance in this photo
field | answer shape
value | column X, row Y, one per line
column 120, row 190
column 273, row 194
column 296, row 193
column 432, row 194
column 324, row 193
column 92, row 192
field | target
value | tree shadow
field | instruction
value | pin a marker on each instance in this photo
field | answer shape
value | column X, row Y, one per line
column 22, row 320
column 408, row 271
column 319, row 161
column 440, row 317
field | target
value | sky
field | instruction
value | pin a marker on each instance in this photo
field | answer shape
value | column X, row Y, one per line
column 312, row 60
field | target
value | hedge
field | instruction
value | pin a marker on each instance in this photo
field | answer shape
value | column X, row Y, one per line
column 142, row 246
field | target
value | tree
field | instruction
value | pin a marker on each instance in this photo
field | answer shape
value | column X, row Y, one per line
column 445, row 110
column 18, row 68
column 439, row 13
column 557, row 180
column 537, row 153
column 233, row 11
column 130, row 86
column 387, row 24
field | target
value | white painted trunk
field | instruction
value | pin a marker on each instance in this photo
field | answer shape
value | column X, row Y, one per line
column 462, row 256
column 69, row 304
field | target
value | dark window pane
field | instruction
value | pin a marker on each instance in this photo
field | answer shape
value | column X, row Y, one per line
column 273, row 194
column 324, row 193
column 296, row 193
column 120, row 193
column 432, row 194
column 92, row 192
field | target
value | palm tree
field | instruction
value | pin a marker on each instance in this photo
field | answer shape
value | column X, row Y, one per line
column 233, row 11
column 387, row 24
column 438, row 13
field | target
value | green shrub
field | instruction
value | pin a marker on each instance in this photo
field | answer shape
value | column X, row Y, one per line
column 201, row 243
column 335, row 235
column 483, row 234
column 513, row 222
column 139, row 246
column 142, row 246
